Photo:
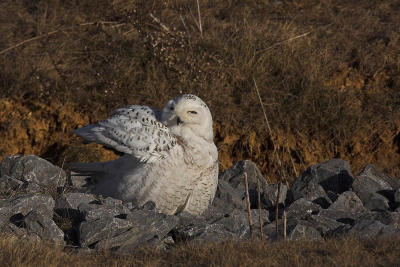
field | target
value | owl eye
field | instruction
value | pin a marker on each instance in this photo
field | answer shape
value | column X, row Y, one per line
column 192, row 112
column 171, row 108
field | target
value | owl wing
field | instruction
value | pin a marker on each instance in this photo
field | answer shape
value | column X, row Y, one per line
column 134, row 130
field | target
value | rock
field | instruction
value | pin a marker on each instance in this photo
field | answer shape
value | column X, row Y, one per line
column 12, row 230
column 333, row 175
column 228, row 198
column 348, row 202
column 44, row 227
column 346, row 217
column 296, row 230
column 234, row 176
column 370, row 228
column 35, row 173
column 325, row 225
column 105, row 228
column 124, row 235
column 26, row 203
column 384, row 181
column 309, row 190
column 73, row 200
column 9, row 184
column 397, row 196
column 374, row 201
column 109, row 208
column 302, row 207
column 270, row 194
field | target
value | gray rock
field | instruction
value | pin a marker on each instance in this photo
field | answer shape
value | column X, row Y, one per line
column 106, row 228
column 270, row 194
column 348, row 202
column 309, row 190
column 44, row 227
column 296, row 230
column 36, row 173
column 228, row 198
column 139, row 228
column 235, row 177
column 375, row 174
column 374, row 201
column 301, row 208
column 9, row 184
column 109, row 208
column 346, row 217
column 397, row 197
column 73, row 200
column 326, row 226
column 370, row 228
column 333, row 175
column 24, row 204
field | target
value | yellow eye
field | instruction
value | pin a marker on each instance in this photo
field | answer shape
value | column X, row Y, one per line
column 192, row 112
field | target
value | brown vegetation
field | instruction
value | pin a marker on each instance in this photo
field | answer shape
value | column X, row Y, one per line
column 335, row 252
column 328, row 73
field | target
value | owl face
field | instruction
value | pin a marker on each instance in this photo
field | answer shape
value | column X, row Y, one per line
column 188, row 113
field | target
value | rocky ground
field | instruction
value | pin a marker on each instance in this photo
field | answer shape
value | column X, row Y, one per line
column 40, row 201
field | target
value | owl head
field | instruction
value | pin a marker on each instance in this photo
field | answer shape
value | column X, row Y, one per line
column 188, row 115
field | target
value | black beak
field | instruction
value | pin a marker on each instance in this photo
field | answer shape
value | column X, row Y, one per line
column 178, row 121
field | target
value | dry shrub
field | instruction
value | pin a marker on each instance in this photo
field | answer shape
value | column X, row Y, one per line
column 331, row 92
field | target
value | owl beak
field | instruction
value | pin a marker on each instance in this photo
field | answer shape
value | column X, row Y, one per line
column 179, row 121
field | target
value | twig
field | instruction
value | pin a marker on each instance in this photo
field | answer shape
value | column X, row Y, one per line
column 28, row 40
column 277, row 209
column 165, row 28
column 246, row 182
column 200, row 23
column 259, row 209
column 285, row 41
column 284, row 225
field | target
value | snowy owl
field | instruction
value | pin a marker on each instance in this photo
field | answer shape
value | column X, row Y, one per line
column 169, row 156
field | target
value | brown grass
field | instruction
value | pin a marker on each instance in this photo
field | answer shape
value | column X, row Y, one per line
column 328, row 74
column 336, row 252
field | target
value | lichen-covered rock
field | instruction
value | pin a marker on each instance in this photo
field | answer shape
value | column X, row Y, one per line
column 35, row 173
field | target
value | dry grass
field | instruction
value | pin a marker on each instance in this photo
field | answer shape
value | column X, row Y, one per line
column 336, row 252
column 328, row 73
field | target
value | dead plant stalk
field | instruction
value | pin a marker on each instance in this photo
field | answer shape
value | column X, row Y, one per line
column 246, row 183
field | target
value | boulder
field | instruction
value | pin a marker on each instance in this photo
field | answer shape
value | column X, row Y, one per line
column 9, row 184
column 73, row 200
column 375, row 174
column 228, row 198
column 108, row 208
column 270, row 194
column 301, row 208
column 139, row 228
column 35, row 173
column 333, row 175
column 295, row 230
column 44, row 227
column 234, row 176
column 348, row 202
column 23, row 204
